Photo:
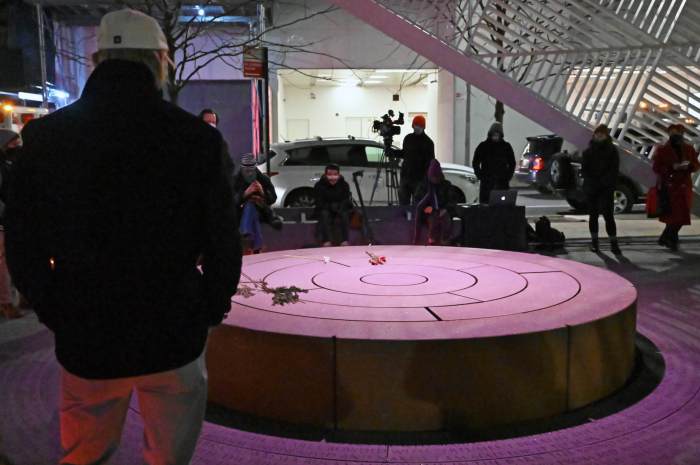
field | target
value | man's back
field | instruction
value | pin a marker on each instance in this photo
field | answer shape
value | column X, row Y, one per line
column 112, row 203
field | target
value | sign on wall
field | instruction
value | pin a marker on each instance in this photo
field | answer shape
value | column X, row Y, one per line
column 255, row 62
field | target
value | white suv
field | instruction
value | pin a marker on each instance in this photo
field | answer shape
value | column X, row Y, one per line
column 296, row 166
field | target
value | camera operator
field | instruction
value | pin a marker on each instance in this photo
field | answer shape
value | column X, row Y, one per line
column 333, row 200
column 418, row 151
column 494, row 163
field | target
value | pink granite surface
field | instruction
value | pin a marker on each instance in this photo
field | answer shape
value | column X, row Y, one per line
column 426, row 293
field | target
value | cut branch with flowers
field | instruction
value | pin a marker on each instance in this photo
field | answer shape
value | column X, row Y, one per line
column 281, row 295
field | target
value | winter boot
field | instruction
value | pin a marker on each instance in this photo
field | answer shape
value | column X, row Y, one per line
column 615, row 246
column 595, row 245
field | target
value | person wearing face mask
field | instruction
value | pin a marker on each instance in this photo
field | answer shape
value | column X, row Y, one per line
column 673, row 163
column 418, row 150
column 9, row 149
column 333, row 201
column 494, row 163
column 436, row 206
column 599, row 168
column 253, row 193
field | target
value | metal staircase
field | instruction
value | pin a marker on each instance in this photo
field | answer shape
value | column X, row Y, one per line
column 569, row 65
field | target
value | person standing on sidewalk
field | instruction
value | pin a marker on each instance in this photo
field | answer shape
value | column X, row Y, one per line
column 9, row 146
column 600, row 168
column 674, row 162
column 494, row 163
column 418, row 150
column 114, row 201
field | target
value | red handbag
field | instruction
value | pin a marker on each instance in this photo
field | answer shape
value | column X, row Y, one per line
column 652, row 205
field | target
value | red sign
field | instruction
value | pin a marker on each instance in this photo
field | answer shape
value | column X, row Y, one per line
column 255, row 62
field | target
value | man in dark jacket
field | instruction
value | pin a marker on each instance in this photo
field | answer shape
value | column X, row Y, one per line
column 436, row 205
column 494, row 163
column 418, row 150
column 253, row 193
column 113, row 202
column 599, row 168
column 333, row 200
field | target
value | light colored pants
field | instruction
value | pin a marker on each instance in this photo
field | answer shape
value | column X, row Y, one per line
column 5, row 281
column 172, row 405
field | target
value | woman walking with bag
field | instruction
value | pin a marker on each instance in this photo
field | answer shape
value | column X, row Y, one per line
column 674, row 162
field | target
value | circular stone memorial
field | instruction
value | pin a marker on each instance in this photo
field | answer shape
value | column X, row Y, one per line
column 435, row 338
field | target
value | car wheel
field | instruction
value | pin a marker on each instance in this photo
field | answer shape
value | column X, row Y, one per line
column 623, row 199
column 303, row 198
column 577, row 205
column 560, row 172
column 457, row 194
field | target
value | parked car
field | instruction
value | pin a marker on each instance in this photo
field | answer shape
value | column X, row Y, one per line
column 14, row 117
column 296, row 166
column 536, row 161
column 565, row 175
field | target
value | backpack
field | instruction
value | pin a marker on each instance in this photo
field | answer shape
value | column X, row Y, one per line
column 546, row 234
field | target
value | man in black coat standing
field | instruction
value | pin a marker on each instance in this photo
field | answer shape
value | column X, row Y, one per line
column 494, row 163
column 333, row 200
column 115, row 200
column 599, row 168
column 418, row 150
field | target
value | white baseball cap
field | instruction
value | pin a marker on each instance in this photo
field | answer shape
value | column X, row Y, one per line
column 130, row 29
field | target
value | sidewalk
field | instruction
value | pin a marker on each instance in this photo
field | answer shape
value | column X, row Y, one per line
column 576, row 226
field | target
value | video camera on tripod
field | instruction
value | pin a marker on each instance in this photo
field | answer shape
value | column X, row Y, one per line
column 388, row 127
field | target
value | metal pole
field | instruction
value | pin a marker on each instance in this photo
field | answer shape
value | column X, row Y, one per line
column 263, row 98
column 468, row 129
column 42, row 55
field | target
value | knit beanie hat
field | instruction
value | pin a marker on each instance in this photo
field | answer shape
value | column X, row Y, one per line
column 248, row 159
column 496, row 127
column 419, row 120
column 602, row 129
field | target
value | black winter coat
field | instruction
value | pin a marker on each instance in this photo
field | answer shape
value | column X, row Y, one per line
column 240, row 185
column 600, row 166
column 112, row 202
column 418, row 150
column 494, row 161
column 334, row 198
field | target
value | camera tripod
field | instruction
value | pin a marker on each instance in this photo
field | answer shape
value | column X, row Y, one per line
column 389, row 165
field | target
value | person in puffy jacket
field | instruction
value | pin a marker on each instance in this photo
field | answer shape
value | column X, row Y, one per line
column 599, row 168
column 333, row 201
column 494, row 163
